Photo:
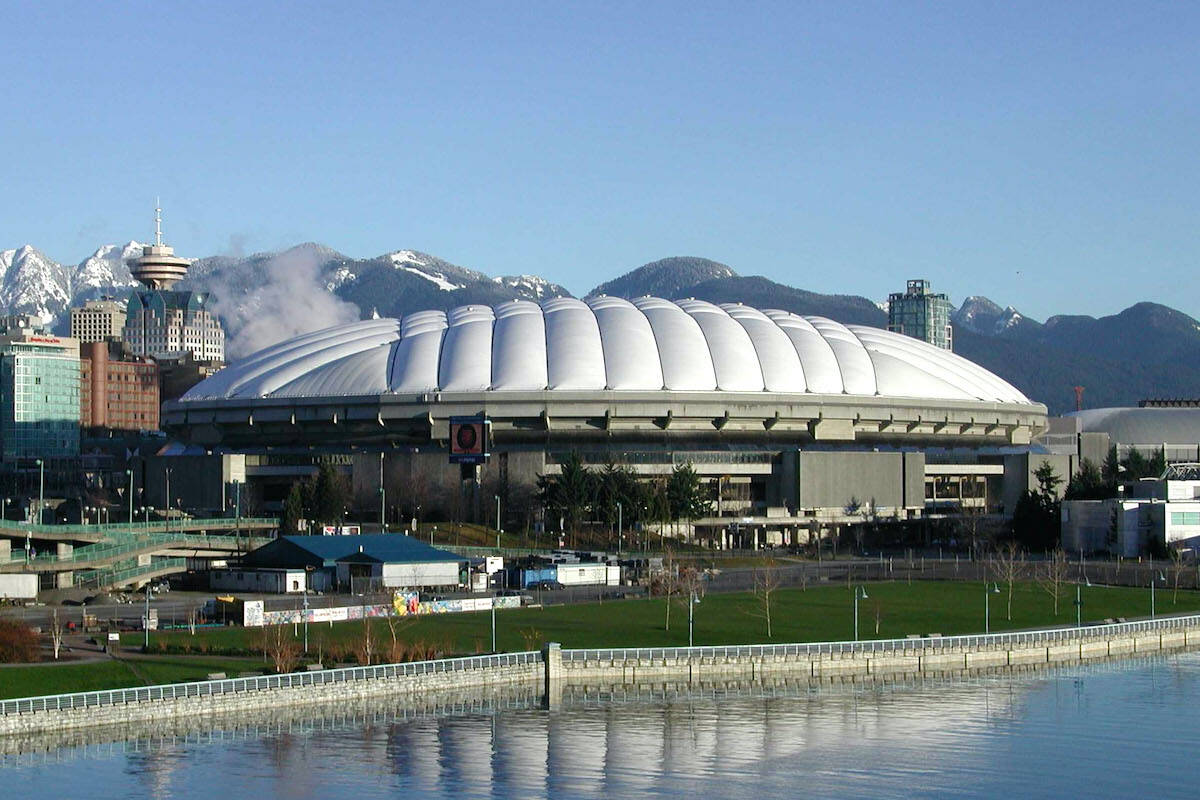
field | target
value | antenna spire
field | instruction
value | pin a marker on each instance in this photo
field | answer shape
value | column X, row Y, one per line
column 157, row 223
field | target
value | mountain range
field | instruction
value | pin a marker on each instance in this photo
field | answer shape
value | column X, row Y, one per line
column 1147, row 350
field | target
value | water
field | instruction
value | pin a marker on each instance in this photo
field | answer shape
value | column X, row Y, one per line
column 1114, row 730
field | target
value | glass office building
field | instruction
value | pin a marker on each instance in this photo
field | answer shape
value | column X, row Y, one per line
column 921, row 314
column 39, row 395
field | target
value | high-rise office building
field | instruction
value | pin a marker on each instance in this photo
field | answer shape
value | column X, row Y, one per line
column 921, row 314
column 98, row 321
column 39, row 392
column 160, row 321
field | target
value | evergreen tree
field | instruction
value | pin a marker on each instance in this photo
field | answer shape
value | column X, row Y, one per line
column 1035, row 522
column 1112, row 467
column 329, row 495
column 1088, row 484
column 293, row 511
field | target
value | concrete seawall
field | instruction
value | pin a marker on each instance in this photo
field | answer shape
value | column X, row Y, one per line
column 553, row 670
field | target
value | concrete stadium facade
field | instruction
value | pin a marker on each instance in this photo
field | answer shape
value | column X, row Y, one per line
column 738, row 392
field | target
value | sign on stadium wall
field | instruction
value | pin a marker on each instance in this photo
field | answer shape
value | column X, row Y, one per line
column 469, row 440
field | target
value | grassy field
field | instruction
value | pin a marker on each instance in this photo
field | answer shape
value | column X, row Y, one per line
column 115, row 674
column 821, row 613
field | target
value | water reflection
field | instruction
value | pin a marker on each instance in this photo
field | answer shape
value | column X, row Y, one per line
column 1043, row 735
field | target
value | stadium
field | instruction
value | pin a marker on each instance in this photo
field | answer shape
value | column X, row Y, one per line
column 789, row 415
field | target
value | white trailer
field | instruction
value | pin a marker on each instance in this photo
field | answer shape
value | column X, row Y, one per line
column 18, row 586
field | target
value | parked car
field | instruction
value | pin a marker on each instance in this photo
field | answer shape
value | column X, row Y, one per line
column 546, row 586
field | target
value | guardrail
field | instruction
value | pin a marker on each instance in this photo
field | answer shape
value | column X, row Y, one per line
column 220, row 523
column 172, row 691
column 972, row 641
column 129, row 543
column 128, row 570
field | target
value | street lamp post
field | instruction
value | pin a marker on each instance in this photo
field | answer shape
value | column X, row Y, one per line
column 306, row 612
column 692, row 602
column 1153, row 577
column 146, row 619
column 498, row 530
column 41, row 489
column 168, row 472
column 987, row 605
column 383, row 500
column 129, row 488
column 493, row 623
column 859, row 593
column 620, row 529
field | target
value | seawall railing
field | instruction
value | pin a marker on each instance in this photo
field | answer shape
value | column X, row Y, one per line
column 290, row 680
column 983, row 641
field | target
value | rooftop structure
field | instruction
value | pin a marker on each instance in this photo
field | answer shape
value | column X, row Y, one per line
column 158, row 267
column 98, row 321
column 921, row 314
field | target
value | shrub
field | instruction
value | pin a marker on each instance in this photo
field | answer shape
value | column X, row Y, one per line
column 18, row 642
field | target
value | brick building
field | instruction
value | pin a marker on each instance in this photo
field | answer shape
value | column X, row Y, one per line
column 116, row 394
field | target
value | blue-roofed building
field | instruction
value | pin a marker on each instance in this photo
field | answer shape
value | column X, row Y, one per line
column 356, row 563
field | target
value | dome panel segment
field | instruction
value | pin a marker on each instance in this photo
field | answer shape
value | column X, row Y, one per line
column 858, row 373
column 687, row 365
column 822, row 372
column 466, row 364
column 926, row 358
column 266, row 381
column 574, row 353
column 897, row 376
column 414, row 363
column 519, row 347
column 360, row 373
column 777, row 359
column 631, row 357
column 224, row 383
column 734, row 358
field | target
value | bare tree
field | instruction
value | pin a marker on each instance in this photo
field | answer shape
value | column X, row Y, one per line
column 280, row 647
column 367, row 647
column 878, row 610
column 56, row 632
column 766, row 582
column 1007, row 562
column 396, row 625
column 1175, row 570
column 668, row 581
column 1053, row 575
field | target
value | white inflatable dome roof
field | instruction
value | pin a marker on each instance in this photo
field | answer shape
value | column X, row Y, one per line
column 604, row 344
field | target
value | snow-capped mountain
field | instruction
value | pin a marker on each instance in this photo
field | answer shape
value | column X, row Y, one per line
column 32, row 283
column 981, row 315
column 103, row 271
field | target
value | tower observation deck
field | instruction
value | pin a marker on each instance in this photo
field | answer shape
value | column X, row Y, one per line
column 158, row 267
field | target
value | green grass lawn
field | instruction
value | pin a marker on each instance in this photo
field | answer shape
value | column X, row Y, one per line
column 29, row 681
column 820, row 613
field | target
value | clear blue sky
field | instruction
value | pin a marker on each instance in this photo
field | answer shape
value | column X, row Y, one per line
column 1045, row 155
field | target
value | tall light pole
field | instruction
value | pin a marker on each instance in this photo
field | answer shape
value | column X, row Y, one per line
column 129, row 488
column 306, row 611
column 620, row 529
column 498, row 531
column 693, row 600
column 987, row 605
column 859, row 592
column 146, row 619
column 1153, row 577
column 41, row 489
column 168, row 472
column 383, row 500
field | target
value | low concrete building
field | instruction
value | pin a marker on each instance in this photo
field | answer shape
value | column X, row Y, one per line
column 1145, row 516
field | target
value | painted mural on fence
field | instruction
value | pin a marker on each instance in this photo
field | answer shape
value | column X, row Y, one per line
column 404, row 604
